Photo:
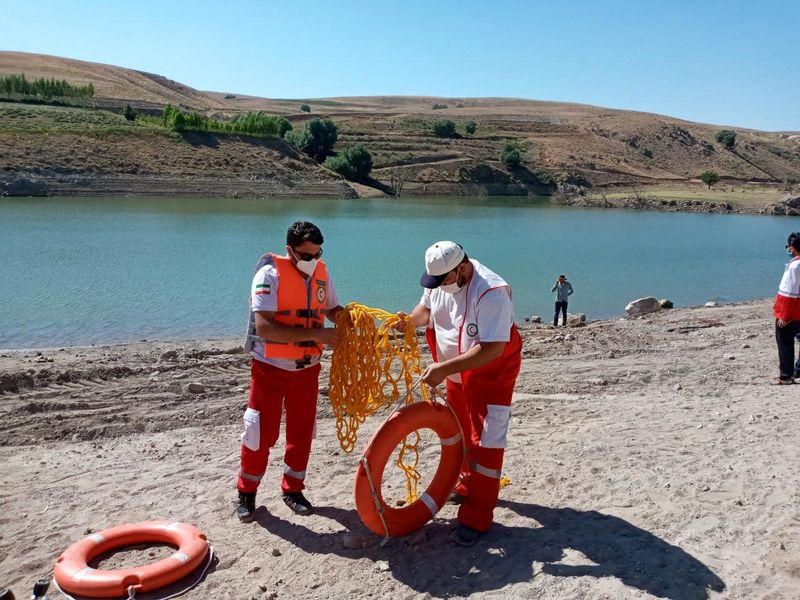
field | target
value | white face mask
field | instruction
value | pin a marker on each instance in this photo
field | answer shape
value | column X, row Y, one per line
column 452, row 288
column 306, row 266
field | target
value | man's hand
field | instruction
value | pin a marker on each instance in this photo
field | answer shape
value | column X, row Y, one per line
column 434, row 374
column 781, row 323
column 401, row 324
column 328, row 335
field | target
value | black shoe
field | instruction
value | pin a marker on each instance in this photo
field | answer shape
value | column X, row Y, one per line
column 246, row 507
column 298, row 503
column 464, row 535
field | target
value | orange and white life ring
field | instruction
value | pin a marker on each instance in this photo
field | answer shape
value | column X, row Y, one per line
column 378, row 516
column 73, row 574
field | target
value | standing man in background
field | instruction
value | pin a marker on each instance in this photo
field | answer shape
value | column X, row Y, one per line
column 290, row 298
column 563, row 290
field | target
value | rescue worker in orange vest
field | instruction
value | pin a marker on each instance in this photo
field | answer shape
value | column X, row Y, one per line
column 290, row 298
column 477, row 351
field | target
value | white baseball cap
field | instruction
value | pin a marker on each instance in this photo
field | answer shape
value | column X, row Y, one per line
column 440, row 259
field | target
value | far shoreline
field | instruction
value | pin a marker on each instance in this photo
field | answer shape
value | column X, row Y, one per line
column 745, row 200
column 230, row 340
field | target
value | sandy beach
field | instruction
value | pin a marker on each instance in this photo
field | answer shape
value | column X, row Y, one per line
column 648, row 458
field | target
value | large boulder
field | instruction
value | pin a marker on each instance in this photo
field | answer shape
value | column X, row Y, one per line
column 643, row 306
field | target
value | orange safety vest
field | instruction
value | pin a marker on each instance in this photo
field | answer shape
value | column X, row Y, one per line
column 301, row 303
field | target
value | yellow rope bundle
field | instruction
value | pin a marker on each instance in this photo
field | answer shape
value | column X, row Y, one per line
column 374, row 366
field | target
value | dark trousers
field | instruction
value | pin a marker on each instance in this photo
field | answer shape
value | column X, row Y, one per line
column 785, row 337
column 560, row 306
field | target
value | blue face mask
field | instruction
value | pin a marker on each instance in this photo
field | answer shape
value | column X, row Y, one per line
column 789, row 251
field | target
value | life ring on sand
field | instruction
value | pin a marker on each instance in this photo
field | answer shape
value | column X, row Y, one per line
column 73, row 574
column 378, row 516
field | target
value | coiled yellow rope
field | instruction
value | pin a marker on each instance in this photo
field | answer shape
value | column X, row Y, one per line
column 372, row 367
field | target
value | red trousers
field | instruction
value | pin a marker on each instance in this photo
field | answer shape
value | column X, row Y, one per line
column 482, row 403
column 271, row 390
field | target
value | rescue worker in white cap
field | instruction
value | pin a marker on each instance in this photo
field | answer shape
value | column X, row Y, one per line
column 476, row 350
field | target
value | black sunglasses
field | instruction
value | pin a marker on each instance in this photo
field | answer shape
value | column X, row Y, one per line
column 306, row 255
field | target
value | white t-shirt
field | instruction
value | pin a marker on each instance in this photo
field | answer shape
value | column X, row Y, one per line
column 264, row 297
column 495, row 315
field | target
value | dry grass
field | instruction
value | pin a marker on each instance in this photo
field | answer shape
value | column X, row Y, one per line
column 610, row 148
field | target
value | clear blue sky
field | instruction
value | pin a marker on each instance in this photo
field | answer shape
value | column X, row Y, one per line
column 734, row 62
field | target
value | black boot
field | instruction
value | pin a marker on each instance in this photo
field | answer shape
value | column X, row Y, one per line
column 298, row 503
column 246, row 507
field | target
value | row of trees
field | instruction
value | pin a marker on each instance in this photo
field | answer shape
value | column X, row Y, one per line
column 253, row 123
column 44, row 88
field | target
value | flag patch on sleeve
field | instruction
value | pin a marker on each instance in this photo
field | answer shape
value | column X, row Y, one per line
column 263, row 289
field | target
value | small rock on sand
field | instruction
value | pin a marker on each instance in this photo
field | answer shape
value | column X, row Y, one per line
column 170, row 355
column 382, row 565
column 710, row 304
column 196, row 388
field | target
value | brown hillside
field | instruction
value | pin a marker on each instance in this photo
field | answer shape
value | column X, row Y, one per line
column 605, row 145
column 569, row 142
column 110, row 82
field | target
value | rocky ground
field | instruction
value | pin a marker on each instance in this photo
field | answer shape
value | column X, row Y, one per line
column 648, row 458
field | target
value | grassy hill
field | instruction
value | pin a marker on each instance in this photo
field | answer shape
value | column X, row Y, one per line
column 605, row 149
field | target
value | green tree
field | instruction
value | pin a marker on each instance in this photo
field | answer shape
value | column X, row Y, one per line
column 317, row 138
column 169, row 115
column 354, row 163
column 727, row 138
column 129, row 113
column 709, row 178
column 305, row 108
column 470, row 127
column 179, row 122
column 444, row 128
column 511, row 156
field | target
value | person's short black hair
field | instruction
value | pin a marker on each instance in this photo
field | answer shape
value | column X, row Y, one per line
column 794, row 240
column 303, row 231
column 562, row 275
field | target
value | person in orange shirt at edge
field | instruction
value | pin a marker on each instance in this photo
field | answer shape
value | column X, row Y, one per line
column 290, row 298
column 477, row 351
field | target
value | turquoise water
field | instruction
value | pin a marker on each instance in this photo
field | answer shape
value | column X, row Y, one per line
column 99, row 270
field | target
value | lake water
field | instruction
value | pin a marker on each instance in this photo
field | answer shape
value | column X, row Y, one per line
column 99, row 270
